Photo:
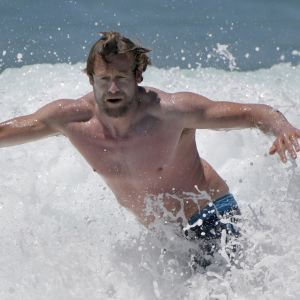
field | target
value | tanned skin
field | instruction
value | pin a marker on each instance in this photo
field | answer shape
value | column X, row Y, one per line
column 141, row 140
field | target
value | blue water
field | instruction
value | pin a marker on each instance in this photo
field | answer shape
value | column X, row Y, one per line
column 181, row 33
column 63, row 234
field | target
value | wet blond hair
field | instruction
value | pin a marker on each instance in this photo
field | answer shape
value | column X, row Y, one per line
column 113, row 43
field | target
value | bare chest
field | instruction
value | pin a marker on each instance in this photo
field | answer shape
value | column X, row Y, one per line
column 148, row 147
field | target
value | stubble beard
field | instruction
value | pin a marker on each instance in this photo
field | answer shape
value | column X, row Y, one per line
column 115, row 112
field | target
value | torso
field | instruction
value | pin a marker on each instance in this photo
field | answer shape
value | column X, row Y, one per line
column 156, row 158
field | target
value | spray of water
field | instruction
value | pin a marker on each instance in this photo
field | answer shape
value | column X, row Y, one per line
column 63, row 235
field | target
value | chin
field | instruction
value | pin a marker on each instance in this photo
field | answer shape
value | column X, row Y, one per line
column 116, row 112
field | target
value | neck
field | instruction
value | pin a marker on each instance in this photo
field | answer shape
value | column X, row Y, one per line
column 119, row 126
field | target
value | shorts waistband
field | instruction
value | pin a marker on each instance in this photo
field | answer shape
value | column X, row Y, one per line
column 220, row 206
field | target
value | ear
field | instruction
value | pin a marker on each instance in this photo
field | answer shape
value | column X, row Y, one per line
column 91, row 80
column 138, row 76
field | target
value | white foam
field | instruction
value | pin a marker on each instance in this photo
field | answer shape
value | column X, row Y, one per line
column 63, row 236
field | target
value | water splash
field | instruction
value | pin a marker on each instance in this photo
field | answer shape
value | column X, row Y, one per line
column 63, row 236
column 223, row 52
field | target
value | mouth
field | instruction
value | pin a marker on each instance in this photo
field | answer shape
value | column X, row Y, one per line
column 114, row 100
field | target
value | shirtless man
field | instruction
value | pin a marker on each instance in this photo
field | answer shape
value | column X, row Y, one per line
column 141, row 140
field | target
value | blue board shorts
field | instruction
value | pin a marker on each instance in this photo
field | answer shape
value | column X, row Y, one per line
column 215, row 217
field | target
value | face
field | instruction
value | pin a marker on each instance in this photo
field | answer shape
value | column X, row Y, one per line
column 115, row 85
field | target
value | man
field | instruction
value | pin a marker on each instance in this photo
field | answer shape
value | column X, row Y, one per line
column 141, row 140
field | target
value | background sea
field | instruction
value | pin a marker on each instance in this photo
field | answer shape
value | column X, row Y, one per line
column 62, row 233
column 184, row 33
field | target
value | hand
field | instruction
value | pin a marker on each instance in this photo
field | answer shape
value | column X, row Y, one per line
column 287, row 140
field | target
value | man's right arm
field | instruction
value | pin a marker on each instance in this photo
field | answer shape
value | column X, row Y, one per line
column 47, row 121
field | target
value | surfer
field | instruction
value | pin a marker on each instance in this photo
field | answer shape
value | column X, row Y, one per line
column 141, row 140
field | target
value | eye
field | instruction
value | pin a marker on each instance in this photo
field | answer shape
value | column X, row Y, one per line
column 122, row 78
column 101, row 78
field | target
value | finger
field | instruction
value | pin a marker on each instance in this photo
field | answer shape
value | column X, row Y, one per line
column 281, row 151
column 295, row 143
column 273, row 149
column 289, row 146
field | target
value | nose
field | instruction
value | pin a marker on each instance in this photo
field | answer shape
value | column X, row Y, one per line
column 113, row 87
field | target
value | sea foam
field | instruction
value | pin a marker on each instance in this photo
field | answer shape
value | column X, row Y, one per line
column 63, row 235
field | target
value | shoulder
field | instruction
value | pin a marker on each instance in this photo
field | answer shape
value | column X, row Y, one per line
column 189, row 100
column 172, row 104
column 155, row 99
column 63, row 111
column 151, row 95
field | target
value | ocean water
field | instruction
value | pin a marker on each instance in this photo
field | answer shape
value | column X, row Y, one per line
column 184, row 33
column 63, row 235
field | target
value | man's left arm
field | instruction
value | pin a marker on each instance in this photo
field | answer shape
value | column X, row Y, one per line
column 202, row 113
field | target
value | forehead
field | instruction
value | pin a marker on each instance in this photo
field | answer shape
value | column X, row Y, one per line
column 122, row 62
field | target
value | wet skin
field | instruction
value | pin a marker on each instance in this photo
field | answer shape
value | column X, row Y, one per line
column 155, row 156
column 141, row 140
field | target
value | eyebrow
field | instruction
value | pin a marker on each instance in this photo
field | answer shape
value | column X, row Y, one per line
column 104, row 74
